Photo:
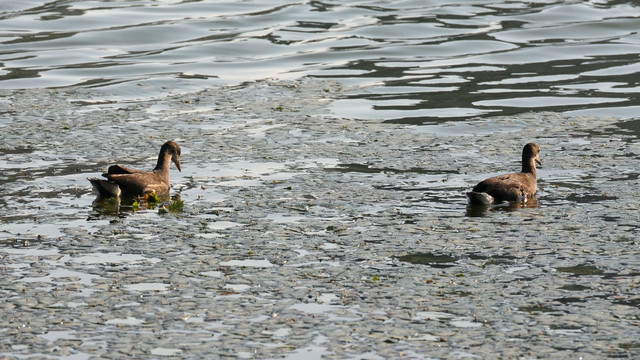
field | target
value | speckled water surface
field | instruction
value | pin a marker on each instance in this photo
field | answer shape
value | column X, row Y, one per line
column 308, row 235
column 327, row 148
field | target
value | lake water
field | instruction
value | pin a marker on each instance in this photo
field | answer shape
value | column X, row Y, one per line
column 419, row 62
column 327, row 147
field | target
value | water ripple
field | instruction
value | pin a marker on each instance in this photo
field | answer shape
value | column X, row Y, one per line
column 544, row 55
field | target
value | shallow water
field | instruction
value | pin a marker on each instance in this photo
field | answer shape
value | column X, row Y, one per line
column 324, row 209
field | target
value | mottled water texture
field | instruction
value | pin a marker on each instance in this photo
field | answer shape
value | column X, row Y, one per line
column 308, row 235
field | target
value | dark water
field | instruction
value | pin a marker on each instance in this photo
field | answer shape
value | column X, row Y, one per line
column 326, row 150
column 413, row 62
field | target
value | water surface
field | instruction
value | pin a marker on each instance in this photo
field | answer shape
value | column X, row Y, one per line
column 417, row 62
column 326, row 150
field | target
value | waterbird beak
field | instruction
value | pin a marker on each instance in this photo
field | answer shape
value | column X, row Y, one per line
column 176, row 161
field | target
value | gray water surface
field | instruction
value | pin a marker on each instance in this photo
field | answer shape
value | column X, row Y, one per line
column 326, row 151
column 419, row 61
column 305, row 234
